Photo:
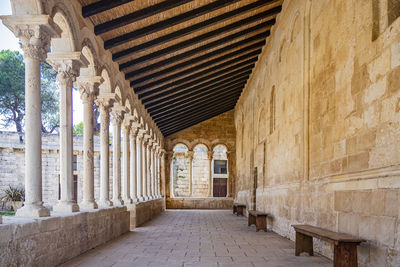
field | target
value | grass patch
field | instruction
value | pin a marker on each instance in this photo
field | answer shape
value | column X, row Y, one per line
column 7, row 213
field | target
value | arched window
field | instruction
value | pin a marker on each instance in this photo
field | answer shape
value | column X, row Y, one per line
column 220, row 171
column 180, row 171
column 201, row 172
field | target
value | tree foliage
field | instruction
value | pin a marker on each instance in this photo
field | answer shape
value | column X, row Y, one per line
column 78, row 129
column 12, row 97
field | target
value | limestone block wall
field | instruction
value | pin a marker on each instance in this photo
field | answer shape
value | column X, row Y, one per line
column 12, row 164
column 219, row 130
column 51, row 241
column 318, row 124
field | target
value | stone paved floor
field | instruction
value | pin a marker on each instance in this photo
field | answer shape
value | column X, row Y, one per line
column 197, row 238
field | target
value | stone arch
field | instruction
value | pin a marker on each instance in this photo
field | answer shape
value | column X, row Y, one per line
column 118, row 93
column 181, row 141
column 272, row 111
column 135, row 114
column 91, row 55
column 105, row 86
column 201, row 141
column 68, row 40
column 261, row 127
column 294, row 26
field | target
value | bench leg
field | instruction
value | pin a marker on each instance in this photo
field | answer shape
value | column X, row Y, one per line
column 261, row 223
column 234, row 210
column 251, row 220
column 345, row 255
column 239, row 211
column 304, row 243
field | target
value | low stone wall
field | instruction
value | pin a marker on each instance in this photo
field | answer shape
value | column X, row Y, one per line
column 53, row 240
column 143, row 212
column 199, row 203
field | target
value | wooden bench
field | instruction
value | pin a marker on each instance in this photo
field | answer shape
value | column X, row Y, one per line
column 259, row 219
column 238, row 208
column 345, row 246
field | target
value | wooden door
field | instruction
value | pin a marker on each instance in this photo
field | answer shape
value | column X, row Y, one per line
column 220, row 187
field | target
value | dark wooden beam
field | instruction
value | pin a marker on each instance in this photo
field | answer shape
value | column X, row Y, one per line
column 100, row 6
column 191, row 117
column 242, row 72
column 192, row 62
column 137, row 15
column 206, row 66
column 198, row 99
column 238, row 62
column 184, row 96
column 161, row 25
column 191, row 122
column 200, row 38
column 196, row 108
column 120, row 40
column 249, row 64
column 203, row 48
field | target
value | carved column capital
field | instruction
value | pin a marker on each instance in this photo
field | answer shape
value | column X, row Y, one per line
column 67, row 65
column 210, row 155
column 191, row 155
column 116, row 118
column 35, row 33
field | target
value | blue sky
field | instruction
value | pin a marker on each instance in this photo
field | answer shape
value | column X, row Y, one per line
column 9, row 41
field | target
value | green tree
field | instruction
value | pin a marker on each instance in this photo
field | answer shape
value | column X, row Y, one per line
column 12, row 96
column 78, row 129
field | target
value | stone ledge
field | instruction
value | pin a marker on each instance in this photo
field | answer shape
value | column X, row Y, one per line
column 53, row 240
column 199, row 203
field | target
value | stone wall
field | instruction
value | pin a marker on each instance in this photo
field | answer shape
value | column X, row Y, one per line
column 200, row 203
column 219, row 130
column 12, row 167
column 53, row 240
column 318, row 125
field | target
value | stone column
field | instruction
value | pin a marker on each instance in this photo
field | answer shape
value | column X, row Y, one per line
column 126, row 163
column 163, row 191
column 104, row 105
column 210, row 155
column 190, row 155
column 88, row 90
column 67, row 66
column 116, row 119
column 148, row 166
column 35, row 41
column 133, row 165
column 229, row 180
column 158, row 172
column 144, row 168
column 153, row 174
column 139, row 166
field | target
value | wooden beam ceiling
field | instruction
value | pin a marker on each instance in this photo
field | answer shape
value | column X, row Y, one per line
column 186, row 60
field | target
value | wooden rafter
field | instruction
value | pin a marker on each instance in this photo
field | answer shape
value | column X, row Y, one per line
column 101, row 6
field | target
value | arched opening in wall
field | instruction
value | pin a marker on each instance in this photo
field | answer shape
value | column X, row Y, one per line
column 201, row 172
column 180, row 171
column 272, row 110
column 220, row 171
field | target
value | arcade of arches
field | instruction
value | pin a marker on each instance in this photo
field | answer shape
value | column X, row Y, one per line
column 306, row 128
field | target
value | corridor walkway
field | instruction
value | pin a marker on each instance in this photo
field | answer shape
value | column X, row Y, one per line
column 197, row 238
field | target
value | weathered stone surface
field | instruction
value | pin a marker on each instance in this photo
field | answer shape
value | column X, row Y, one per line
column 54, row 240
column 318, row 122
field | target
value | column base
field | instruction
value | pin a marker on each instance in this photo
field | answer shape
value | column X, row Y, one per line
column 88, row 205
column 145, row 198
column 32, row 211
column 1, row 220
column 66, row 207
column 141, row 198
column 135, row 200
column 118, row 202
column 105, row 203
column 128, row 201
